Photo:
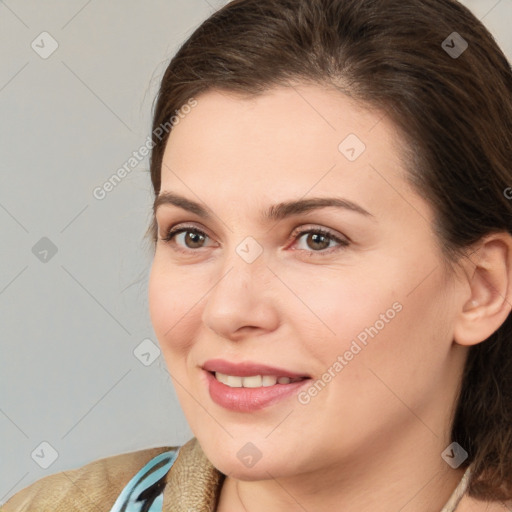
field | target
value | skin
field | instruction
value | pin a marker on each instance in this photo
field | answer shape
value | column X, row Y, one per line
column 391, row 405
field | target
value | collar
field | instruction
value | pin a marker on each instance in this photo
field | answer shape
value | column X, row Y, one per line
column 192, row 483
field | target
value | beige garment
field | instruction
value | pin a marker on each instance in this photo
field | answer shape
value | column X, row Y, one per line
column 192, row 483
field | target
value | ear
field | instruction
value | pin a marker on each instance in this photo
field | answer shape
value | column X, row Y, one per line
column 488, row 302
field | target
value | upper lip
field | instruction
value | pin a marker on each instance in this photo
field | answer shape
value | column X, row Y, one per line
column 248, row 368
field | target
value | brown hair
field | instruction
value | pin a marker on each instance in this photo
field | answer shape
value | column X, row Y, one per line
column 454, row 113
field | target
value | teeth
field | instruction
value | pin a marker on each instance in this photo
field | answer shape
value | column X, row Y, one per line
column 268, row 380
column 221, row 377
column 233, row 381
column 253, row 381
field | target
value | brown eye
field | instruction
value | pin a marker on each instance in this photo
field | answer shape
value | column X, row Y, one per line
column 193, row 240
column 193, row 237
column 319, row 240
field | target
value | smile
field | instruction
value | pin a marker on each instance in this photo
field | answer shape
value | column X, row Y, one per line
column 252, row 392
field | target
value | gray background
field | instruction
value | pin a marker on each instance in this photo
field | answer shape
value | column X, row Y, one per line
column 72, row 323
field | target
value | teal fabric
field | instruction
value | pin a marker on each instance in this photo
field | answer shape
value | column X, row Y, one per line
column 144, row 492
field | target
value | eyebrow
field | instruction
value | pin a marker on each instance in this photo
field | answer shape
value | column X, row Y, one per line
column 275, row 212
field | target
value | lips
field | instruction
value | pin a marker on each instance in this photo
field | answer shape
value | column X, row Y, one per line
column 226, row 384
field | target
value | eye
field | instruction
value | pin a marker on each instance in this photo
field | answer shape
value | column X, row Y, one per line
column 318, row 238
column 193, row 236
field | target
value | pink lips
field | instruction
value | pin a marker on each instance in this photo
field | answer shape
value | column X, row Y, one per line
column 248, row 399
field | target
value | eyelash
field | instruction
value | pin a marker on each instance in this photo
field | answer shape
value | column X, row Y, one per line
column 172, row 232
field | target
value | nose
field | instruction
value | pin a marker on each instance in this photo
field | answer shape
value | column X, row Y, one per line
column 243, row 300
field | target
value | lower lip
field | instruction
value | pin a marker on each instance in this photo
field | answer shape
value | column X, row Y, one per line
column 249, row 399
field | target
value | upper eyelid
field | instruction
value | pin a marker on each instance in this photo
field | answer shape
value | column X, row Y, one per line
column 296, row 232
column 185, row 224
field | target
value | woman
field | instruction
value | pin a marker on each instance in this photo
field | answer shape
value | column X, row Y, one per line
column 332, row 277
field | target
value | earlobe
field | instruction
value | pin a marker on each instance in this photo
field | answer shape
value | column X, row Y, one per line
column 489, row 277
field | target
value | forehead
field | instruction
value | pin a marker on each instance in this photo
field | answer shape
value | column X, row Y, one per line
column 284, row 114
column 289, row 141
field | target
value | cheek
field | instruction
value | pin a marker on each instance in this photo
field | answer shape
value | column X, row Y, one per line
column 336, row 307
column 171, row 302
column 403, row 337
column 404, row 351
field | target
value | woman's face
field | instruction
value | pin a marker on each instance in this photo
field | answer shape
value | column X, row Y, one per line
column 364, row 310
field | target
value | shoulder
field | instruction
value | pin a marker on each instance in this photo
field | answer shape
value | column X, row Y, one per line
column 91, row 487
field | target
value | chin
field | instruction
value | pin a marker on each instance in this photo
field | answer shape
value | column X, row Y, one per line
column 234, row 459
column 262, row 470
